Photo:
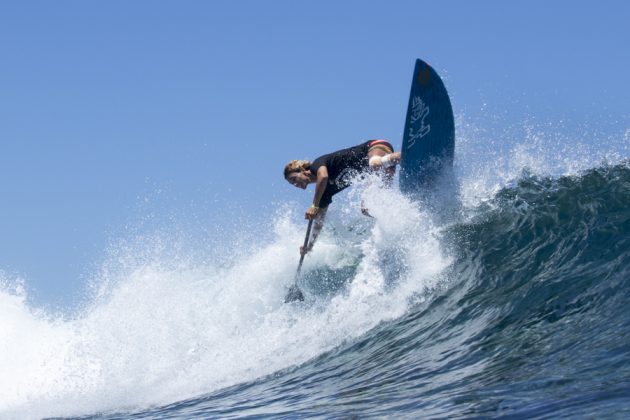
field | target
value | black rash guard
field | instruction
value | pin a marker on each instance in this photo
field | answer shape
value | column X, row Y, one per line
column 344, row 166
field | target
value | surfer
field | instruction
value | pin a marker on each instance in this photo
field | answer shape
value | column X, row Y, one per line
column 335, row 172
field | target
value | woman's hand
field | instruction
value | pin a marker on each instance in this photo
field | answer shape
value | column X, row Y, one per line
column 303, row 251
column 311, row 212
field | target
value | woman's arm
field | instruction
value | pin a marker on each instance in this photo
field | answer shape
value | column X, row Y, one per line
column 320, row 188
column 314, row 212
column 378, row 159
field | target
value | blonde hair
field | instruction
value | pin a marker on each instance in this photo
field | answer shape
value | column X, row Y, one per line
column 296, row 166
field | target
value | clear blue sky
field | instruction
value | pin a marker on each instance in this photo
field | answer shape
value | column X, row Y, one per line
column 114, row 111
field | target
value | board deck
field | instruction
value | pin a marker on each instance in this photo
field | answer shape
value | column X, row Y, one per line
column 428, row 144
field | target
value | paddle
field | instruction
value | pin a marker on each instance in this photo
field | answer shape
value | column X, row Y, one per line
column 294, row 291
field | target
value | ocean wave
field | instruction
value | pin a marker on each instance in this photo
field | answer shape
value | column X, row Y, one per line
column 514, row 305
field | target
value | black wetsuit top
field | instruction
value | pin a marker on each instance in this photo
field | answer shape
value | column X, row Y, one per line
column 343, row 167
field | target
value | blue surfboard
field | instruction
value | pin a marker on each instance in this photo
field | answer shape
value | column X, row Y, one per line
column 428, row 145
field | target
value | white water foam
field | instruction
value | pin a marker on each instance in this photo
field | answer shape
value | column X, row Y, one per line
column 167, row 328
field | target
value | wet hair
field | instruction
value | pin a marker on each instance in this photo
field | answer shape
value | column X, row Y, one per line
column 296, row 166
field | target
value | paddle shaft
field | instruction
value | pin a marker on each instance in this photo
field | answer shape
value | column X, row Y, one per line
column 308, row 234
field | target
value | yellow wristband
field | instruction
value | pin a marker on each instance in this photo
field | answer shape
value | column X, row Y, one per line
column 313, row 206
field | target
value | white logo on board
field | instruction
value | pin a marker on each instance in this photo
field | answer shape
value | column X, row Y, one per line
column 419, row 111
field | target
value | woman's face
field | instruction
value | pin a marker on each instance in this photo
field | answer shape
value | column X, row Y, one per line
column 298, row 179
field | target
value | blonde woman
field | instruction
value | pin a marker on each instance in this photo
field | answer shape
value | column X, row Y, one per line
column 335, row 172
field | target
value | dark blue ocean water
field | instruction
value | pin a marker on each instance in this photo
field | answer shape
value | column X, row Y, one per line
column 529, row 320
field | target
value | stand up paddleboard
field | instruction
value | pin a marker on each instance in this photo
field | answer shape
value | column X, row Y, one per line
column 429, row 139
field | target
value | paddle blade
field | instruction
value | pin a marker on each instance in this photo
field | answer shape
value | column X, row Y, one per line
column 294, row 294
